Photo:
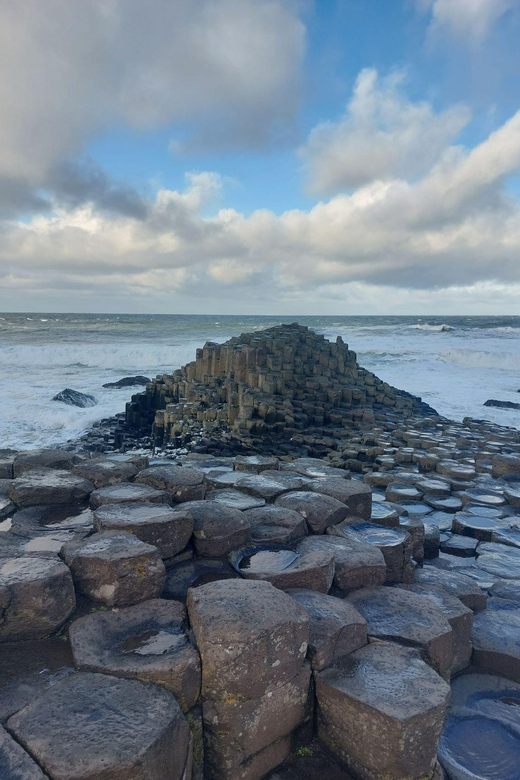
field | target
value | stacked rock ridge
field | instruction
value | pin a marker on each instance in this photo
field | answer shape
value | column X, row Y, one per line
column 277, row 381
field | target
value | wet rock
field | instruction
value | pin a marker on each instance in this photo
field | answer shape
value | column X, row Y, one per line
column 183, row 483
column 502, row 404
column 506, row 589
column 456, row 471
column 6, row 508
column 15, row 763
column 394, row 543
column 458, row 616
column 49, row 486
column 451, row 504
column 381, row 711
column 461, row 546
column 252, row 637
column 219, row 479
column 102, row 727
column 409, row 619
column 476, row 527
column 106, row 472
column 355, row 495
column 384, row 513
column 256, row 463
column 217, row 529
column 506, row 466
column 437, row 488
column 129, row 381
column 44, row 458
column 336, row 628
column 115, row 568
column 192, row 574
column 314, row 468
column 157, row 524
column 483, row 497
column 235, row 499
column 266, row 487
column 501, row 564
column 320, row 511
column 357, row 564
column 125, row 492
column 415, row 528
column 512, row 496
column 459, row 585
column 284, row 568
column 145, row 642
column 36, row 597
column 75, row 398
column 442, row 520
column 432, row 537
column 397, row 493
column 247, row 738
column 275, row 525
column 495, row 641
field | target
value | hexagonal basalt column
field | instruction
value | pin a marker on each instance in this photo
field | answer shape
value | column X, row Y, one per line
column 155, row 524
column 285, row 567
column 217, row 529
column 275, row 525
column 145, row 642
column 128, row 492
column 49, row 486
column 115, row 568
column 355, row 495
column 36, row 597
column 183, row 483
column 319, row 511
column 395, row 544
column 95, row 727
column 408, row 618
column 381, row 712
column 357, row 564
column 464, row 588
column 105, row 472
column 495, row 639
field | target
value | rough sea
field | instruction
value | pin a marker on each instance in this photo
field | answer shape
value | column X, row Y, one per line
column 453, row 363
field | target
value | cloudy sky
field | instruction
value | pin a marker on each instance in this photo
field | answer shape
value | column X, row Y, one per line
column 260, row 156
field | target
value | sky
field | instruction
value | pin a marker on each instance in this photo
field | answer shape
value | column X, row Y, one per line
column 260, row 156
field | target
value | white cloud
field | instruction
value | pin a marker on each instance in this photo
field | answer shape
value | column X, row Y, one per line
column 470, row 19
column 455, row 223
column 70, row 70
column 381, row 135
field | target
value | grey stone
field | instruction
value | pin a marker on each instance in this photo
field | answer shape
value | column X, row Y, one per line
column 15, row 763
column 336, row 628
column 43, row 458
column 275, row 525
column 313, row 569
column 36, row 597
column 255, row 463
column 49, row 486
column 126, row 492
column 407, row 618
column 394, row 543
column 459, row 585
column 235, row 499
column 157, row 524
column 320, row 511
column 495, row 641
column 183, row 483
column 75, row 398
column 192, row 574
column 357, row 564
column 217, row 529
column 145, row 642
column 115, row 568
column 355, row 495
column 96, row 727
column 381, row 712
column 105, row 472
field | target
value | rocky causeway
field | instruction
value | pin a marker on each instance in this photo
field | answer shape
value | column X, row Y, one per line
column 272, row 565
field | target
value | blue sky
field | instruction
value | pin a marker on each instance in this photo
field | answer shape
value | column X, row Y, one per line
column 272, row 156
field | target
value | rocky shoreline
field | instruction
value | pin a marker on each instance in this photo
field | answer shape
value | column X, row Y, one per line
column 290, row 582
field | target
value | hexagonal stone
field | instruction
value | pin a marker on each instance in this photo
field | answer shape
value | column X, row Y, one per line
column 140, row 461
column 397, row 492
column 44, row 458
column 49, row 486
column 222, row 479
column 127, row 492
column 432, row 539
column 483, row 497
column 252, row 637
column 15, row 763
column 319, row 511
column 384, row 513
column 357, row 564
column 458, row 616
column 415, row 528
column 247, row 738
column 105, row 472
column 506, row 589
column 314, row 468
column 145, row 642
column 501, row 564
column 381, row 712
column 95, row 727
column 217, row 528
column 275, row 525
column 192, row 574
column 454, row 470
column 235, row 499
column 394, row 543
column 461, row 546
column 183, row 483
column 450, row 504
column 409, row 619
column 264, row 487
column 512, row 496
column 495, row 640
column 507, row 536
column 115, row 568
column 434, row 487
column 36, row 597
column 355, row 495
column 336, row 628
column 442, row 520
column 480, row 528
column 156, row 524
column 285, row 568
column 416, row 509
column 256, row 463
column 459, row 585
column 506, row 466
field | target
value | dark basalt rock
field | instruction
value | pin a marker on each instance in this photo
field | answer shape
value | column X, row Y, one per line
column 129, row 381
column 15, row 763
column 502, row 404
column 75, row 398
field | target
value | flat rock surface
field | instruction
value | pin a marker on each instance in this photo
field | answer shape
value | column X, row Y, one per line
column 357, row 564
column 125, row 492
column 183, row 483
column 459, row 585
column 194, row 573
column 49, row 486
column 320, row 511
column 495, row 638
column 275, row 524
column 106, row 472
column 15, row 762
column 217, row 528
column 99, row 727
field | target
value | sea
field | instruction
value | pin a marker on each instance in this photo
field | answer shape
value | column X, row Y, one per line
column 454, row 363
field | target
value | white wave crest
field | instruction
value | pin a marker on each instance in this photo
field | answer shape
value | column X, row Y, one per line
column 467, row 358
column 433, row 328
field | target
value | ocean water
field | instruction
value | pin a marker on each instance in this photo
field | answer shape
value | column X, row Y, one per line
column 453, row 363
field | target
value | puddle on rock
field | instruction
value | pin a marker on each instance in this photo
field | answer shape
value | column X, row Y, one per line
column 482, row 747
column 268, row 560
column 153, row 642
